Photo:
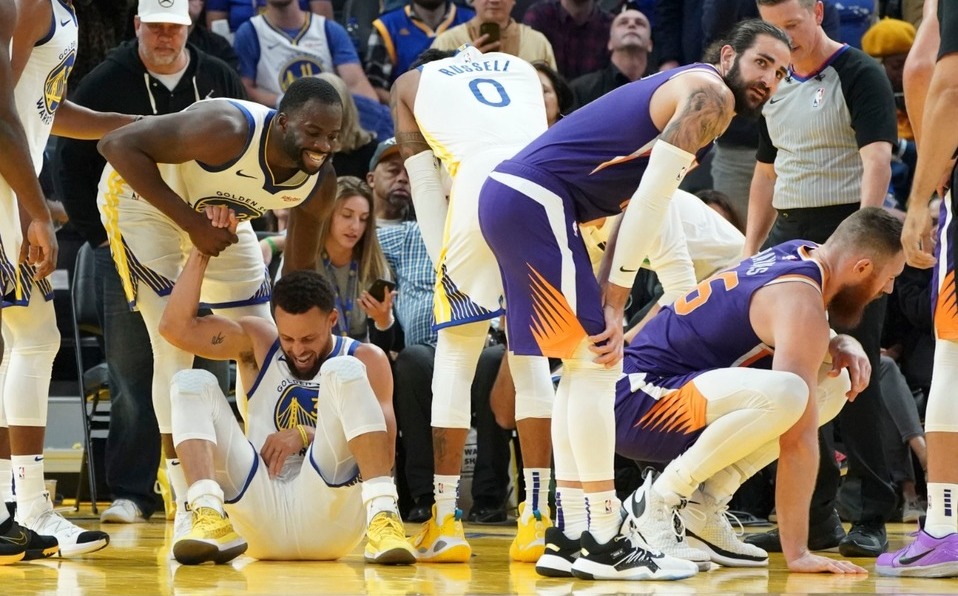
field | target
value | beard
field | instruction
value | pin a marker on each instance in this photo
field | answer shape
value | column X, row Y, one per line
column 847, row 307
column 302, row 374
column 743, row 104
column 398, row 205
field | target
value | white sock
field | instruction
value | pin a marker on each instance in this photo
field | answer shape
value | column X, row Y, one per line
column 603, row 509
column 447, row 493
column 941, row 519
column 28, row 479
column 571, row 515
column 379, row 494
column 537, row 490
column 205, row 493
column 177, row 479
column 6, row 481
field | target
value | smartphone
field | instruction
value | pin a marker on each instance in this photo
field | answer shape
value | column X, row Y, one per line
column 492, row 29
column 380, row 287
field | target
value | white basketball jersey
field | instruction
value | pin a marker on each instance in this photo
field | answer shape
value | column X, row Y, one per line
column 278, row 400
column 474, row 103
column 246, row 184
column 44, row 80
column 283, row 59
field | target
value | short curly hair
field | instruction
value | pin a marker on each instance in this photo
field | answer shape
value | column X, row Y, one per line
column 299, row 291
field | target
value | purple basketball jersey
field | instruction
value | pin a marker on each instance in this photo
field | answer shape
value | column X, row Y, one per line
column 698, row 333
column 596, row 156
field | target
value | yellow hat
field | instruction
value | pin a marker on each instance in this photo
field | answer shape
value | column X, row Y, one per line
column 888, row 37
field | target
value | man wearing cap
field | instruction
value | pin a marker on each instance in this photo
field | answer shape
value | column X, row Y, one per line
column 390, row 183
column 156, row 73
column 889, row 41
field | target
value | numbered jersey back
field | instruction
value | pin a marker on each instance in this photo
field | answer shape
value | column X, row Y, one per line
column 472, row 103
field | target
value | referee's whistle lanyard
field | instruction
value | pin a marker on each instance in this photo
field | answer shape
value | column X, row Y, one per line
column 343, row 307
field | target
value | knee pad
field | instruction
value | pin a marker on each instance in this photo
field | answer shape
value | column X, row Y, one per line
column 942, row 412
column 32, row 343
column 345, row 390
column 457, row 354
column 591, row 418
column 533, row 381
column 193, row 396
column 341, row 371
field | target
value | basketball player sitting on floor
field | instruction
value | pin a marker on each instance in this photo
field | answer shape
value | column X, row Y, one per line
column 318, row 415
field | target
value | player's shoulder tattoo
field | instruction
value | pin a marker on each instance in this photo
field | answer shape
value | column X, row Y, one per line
column 705, row 115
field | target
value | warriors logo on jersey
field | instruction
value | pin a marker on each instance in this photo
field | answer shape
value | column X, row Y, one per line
column 301, row 66
column 56, row 85
column 296, row 405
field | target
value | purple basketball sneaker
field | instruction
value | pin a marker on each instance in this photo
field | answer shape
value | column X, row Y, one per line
column 927, row 556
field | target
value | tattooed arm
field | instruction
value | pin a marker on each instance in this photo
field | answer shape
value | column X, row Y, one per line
column 702, row 111
column 402, row 101
column 214, row 337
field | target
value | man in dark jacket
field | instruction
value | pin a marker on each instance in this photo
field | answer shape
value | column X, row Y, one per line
column 156, row 73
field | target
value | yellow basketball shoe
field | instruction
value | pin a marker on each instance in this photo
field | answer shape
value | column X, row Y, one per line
column 211, row 538
column 530, row 540
column 386, row 542
column 442, row 543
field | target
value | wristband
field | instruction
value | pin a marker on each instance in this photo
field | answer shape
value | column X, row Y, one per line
column 303, row 435
column 272, row 245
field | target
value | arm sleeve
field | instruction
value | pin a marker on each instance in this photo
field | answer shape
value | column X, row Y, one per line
column 341, row 47
column 246, row 44
column 871, row 104
column 766, row 150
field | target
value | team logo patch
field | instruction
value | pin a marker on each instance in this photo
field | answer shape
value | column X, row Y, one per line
column 244, row 211
column 819, row 97
column 55, row 86
column 297, row 405
column 300, row 67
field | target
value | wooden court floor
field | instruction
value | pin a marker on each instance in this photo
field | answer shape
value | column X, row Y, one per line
column 136, row 562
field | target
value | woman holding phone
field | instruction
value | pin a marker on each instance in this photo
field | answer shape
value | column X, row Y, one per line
column 352, row 260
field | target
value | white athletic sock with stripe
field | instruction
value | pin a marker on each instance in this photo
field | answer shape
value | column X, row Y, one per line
column 537, row 490
column 941, row 519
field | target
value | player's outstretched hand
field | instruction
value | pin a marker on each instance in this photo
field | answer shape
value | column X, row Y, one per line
column 40, row 248
column 278, row 447
column 847, row 352
column 607, row 346
column 916, row 237
column 812, row 563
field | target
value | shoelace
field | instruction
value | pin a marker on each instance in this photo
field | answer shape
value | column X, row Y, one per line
column 206, row 518
column 54, row 523
column 384, row 522
column 723, row 512
column 635, row 539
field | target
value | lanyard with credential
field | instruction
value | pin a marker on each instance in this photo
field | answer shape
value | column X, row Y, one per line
column 344, row 308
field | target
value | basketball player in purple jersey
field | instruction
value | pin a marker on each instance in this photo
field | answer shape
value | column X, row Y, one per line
column 635, row 145
column 741, row 369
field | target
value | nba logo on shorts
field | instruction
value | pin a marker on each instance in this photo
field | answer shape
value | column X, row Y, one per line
column 819, row 97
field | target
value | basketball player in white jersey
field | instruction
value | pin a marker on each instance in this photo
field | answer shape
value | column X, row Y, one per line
column 471, row 110
column 165, row 170
column 41, row 38
column 319, row 415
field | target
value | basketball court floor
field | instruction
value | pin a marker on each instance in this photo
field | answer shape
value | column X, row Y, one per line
column 136, row 563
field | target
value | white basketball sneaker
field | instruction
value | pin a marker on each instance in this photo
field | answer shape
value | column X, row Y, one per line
column 73, row 540
column 708, row 527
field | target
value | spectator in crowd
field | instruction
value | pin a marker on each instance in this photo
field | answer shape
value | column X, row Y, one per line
column 352, row 260
column 237, row 12
column 356, row 144
column 630, row 42
column 678, row 32
column 556, row 92
column 211, row 43
column 855, row 17
column 401, row 34
column 156, row 73
column 835, row 109
column 514, row 38
column 578, row 30
column 390, row 184
column 285, row 43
